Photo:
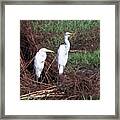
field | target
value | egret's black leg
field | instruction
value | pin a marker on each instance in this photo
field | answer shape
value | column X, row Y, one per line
column 60, row 83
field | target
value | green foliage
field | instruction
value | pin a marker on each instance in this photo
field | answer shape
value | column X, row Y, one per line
column 63, row 25
column 56, row 41
column 88, row 58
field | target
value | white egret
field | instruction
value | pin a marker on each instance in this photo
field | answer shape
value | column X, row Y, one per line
column 39, row 61
column 63, row 53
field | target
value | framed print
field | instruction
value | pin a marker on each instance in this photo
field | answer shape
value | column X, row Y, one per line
column 60, row 60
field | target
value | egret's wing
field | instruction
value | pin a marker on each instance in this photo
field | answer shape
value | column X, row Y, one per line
column 62, row 55
column 39, row 60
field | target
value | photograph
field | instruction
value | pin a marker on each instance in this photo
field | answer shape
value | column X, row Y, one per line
column 59, row 59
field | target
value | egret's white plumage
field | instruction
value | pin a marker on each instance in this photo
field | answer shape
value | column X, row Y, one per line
column 63, row 53
column 39, row 60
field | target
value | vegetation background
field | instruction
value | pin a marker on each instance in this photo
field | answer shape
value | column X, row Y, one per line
column 81, row 79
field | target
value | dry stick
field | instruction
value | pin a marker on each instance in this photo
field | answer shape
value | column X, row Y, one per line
column 38, row 82
column 92, row 76
column 32, row 76
column 21, row 54
column 80, row 51
column 41, row 96
column 48, row 75
column 46, row 78
column 25, row 81
column 49, row 67
column 21, row 61
column 42, row 92
column 22, row 65
column 27, row 65
column 71, row 97
column 22, row 86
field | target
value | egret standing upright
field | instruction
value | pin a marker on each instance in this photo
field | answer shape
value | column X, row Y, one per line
column 39, row 61
column 63, row 53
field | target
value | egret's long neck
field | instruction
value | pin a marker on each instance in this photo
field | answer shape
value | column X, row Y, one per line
column 67, row 42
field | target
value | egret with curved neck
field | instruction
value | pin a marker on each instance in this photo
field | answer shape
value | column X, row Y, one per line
column 63, row 53
column 39, row 61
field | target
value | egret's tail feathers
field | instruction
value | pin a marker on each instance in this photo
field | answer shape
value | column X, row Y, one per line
column 38, row 73
column 60, row 70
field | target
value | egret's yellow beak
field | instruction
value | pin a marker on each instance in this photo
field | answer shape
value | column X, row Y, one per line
column 49, row 50
column 72, row 35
